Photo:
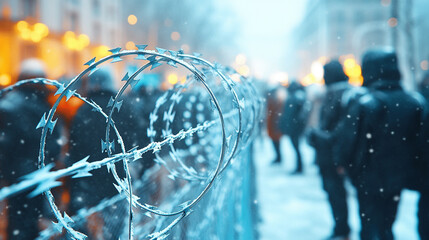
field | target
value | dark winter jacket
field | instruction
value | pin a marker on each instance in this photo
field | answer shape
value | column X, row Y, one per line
column 20, row 112
column 87, row 130
column 383, row 130
column 331, row 113
column 419, row 179
column 295, row 113
column 142, row 104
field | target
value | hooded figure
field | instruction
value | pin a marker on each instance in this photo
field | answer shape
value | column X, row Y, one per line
column 87, row 130
column 20, row 112
column 384, row 125
column 380, row 66
column 322, row 138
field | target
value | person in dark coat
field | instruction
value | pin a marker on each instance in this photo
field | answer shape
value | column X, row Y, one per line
column 20, row 112
column 293, row 120
column 87, row 130
column 274, row 108
column 322, row 138
column 382, row 138
column 142, row 100
column 419, row 178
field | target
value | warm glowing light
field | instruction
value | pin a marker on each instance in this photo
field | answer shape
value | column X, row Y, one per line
column 280, row 77
column 356, row 81
column 393, row 22
column 353, row 71
column 132, row 19
column 349, row 63
column 130, row 45
column 41, row 29
column 240, row 59
column 317, row 70
column 243, row 70
column 68, row 39
column 69, row 34
column 175, row 36
column 83, row 41
column 22, row 25
column 35, row 38
column 5, row 80
column 351, row 68
column 51, row 53
column 172, row 78
column 34, row 32
column 311, row 79
column 26, row 34
column 424, row 65
column 74, row 42
column 102, row 51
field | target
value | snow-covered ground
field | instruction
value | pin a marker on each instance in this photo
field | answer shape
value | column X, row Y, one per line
column 296, row 207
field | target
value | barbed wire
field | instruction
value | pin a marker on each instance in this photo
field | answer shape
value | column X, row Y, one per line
column 240, row 106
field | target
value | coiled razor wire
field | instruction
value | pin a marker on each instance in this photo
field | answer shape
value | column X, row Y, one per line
column 237, row 102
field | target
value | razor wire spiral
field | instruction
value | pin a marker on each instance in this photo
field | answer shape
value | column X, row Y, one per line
column 232, row 98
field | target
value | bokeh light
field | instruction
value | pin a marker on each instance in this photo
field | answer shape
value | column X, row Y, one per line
column 172, row 78
column 130, row 45
column 393, row 22
column 5, row 79
column 132, row 19
column 424, row 65
column 73, row 42
column 175, row 36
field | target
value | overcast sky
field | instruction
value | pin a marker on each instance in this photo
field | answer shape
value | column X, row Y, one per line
column 266, row 25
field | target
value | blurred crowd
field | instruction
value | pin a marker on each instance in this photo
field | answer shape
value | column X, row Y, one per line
column 376, row 136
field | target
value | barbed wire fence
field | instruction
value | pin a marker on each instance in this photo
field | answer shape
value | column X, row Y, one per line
column 200, row 133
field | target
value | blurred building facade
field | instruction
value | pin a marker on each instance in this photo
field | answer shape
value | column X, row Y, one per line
column 61, row 33
column 333, row 29
column 67, row 33
column 209, row 28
